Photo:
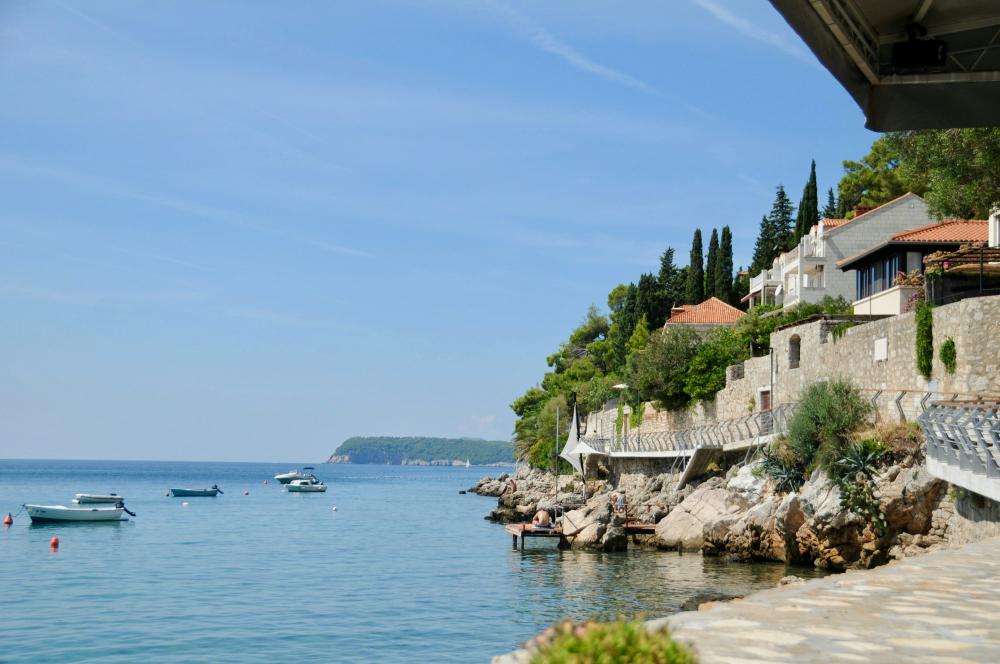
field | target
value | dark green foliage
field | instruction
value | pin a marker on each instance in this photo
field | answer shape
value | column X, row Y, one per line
column 741, row 286
column 660, row 371
column 959, row 167
column 854, row 473
column 607, row 643
column 874, row 180
column 651, row 302
column 672, row 282
column 948, row 356
column 775, row 234
column 706, row 374
column 838, row 330
column 808, row 215
column 392, row 450
column 827, row 416
column 711, row 264
column 830, row 211
column 695, row 292
column 925, row 339
column 860, row 458
column 787, row 475
column 724, row 268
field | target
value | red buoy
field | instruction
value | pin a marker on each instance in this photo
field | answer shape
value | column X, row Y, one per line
column 54, row 542
column 8, row 520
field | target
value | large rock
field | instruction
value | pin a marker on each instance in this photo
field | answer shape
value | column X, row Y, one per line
column 909, row 497
column 594, row 527
column 684, row 527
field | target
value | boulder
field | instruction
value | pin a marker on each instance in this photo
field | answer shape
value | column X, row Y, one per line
column 909, row 498
column 683, row 527
column 594, row 527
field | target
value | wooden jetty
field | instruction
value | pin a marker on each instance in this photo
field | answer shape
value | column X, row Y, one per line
column 520, row 531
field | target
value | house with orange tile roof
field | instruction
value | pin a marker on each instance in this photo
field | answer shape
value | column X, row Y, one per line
column 809, row 272
column 703, row 317
column 877, row 268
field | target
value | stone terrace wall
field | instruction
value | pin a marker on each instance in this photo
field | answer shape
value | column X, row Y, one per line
column 879, row 357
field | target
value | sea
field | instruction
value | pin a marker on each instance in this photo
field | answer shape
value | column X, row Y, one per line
column 391, row 564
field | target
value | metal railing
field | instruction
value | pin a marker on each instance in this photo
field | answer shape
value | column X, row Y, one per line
column 736, row 430
column 964, row 434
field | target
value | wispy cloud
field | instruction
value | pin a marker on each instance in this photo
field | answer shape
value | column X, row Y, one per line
column 549, row 43
column 753, row 31
column 15, row 165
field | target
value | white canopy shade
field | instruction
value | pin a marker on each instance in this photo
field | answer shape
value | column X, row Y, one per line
column 575, row 447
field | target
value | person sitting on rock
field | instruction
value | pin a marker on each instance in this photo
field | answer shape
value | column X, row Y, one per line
column 541, row 519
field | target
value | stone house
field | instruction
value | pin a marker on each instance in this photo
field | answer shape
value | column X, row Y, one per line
column 809, row 271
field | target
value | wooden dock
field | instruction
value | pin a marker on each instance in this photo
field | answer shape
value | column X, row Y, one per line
column 520, row 531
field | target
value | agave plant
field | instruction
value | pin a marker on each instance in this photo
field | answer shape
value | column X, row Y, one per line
column 787, row 476
column 861, row 459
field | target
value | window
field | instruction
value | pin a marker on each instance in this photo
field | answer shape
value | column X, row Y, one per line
column 794, row 350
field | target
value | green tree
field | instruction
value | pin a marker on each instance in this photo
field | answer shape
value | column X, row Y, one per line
column 724, row 267
column 780, row 219
column 830, row 211
column 775, row 234
column 874, row 180
column 640, row 336
column 960, row 168
column 711, row 264
column 695, row 292
column 706, row 373
column 651, row 301
column 741, row 286
column 808, row 215
column 660, row 371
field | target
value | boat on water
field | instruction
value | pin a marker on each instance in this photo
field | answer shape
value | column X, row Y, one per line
column 197, row 493
column 293, row 475
column 311, row 485
column 467, row 464
column 89, row 498
column 61, row 513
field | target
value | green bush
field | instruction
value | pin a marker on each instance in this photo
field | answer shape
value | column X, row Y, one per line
column 925, row 339
column 947, row 354
column 706, row 374
column 820, row 431
column 787, row 475
column 609, row 643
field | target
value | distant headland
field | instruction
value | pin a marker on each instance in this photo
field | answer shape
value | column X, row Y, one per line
column 418, row 451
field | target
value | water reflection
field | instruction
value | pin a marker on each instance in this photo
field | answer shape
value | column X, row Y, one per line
column 583, row 585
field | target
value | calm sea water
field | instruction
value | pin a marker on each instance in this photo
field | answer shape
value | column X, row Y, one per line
column 405, row 570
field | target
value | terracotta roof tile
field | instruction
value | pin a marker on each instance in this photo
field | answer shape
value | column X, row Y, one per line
column 833, row 223
column 712, row 311
column 950, row 230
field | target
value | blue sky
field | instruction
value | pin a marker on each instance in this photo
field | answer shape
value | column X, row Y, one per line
column 249, row 230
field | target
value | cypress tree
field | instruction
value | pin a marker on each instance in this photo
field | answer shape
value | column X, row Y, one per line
column 808, row 215
column 762, row 249
column 724, row 268
column 651, row 302
column 830, row 211
column 695, row 292
column 711, row 264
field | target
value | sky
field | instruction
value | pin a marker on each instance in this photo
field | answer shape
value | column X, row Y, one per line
column 250, row 230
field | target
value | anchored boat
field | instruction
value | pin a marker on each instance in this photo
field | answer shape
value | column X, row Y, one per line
column 60, row 513
column 197, row 493
column 88, row 498
column 293, row 475
column 311, row 485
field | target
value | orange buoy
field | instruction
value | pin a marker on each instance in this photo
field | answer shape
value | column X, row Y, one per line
column 54, row 542
column 8, row 520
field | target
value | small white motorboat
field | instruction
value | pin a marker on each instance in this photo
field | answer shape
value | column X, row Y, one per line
column 88, row 498
column 293, row 475
column 53, row 513
column 311, row 485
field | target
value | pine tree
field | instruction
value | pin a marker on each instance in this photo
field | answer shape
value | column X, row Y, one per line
column 763, row 252
column 780, row 219
column 808, row 215
column 710, row 264
column 695, row 292
column 830, row 211
column 724, row 267
column 651, row 302
column 671, row 282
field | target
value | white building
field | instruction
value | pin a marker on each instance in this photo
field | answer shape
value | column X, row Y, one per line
column 809, row 272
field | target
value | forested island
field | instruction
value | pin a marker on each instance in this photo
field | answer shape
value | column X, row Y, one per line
column 419, row 451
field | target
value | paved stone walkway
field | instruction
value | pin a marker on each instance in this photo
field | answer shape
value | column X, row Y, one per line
column 941, row 607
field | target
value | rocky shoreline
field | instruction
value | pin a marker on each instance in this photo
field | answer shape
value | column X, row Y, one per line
column 742, row 516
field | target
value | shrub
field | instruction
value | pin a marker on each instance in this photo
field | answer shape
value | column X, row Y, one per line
column 859, row 459
column 827, row 416
column 786, row 473
column 706, row 374
column 619, row 641
column 948, row 356
column 925, row 339
column 659, row 372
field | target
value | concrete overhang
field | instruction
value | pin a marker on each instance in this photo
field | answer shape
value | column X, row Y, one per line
column 856, row 41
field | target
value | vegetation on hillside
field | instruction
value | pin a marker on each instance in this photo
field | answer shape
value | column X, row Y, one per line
column 392, row 450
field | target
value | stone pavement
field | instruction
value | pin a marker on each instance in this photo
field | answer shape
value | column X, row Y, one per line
column 941, row 607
